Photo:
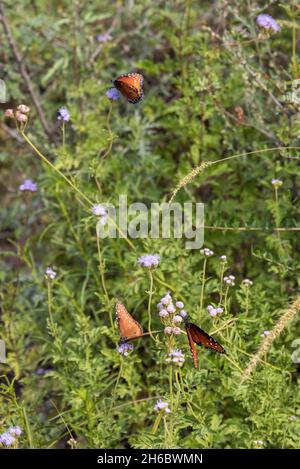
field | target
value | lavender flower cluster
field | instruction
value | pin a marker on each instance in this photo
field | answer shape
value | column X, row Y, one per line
column 171, row 314
column 9, row 438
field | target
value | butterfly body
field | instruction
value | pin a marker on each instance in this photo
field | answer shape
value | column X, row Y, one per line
column 129, row 328
column 198, row 336
column 130, row 86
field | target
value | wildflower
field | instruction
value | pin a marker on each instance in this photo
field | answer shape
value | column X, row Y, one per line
column 50, row 273
column 267, row 22
column 113, row 94
column 149, row 260
column 7, row 439
column 276, row 183
column 28, row 185
column 265, row 333
column 176, row 330
column 183, row 313
column 179, row 305
column 171, row 308
column 163, row 313
column 21, row 117
column 230, row 280
column 259, row 442
column 247, row 283
column 168, row 330
column 103, row 37
column 212, row 311
column 9, row 113
column 206, row 252
column 63, row 114
column 161, row 405
column 176, row 356
column 223, row 259
column 16, row 431
column 99, row 211
column 177, row 319
column 292, row 418
column 123, row 348
column 23, row 108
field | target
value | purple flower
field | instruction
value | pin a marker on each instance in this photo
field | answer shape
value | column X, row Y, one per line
column 149, row 260
column 177, row 319
column 63, row 114
column 171, row 309
column 50, row 273
column 176, row 330
column 28, row 185
column 177, row 356
column 161, row 405
column 163, row 313
column 99, row 211
column 113, row 94
column 7, row 439
column 267, row 22
column 179, row 304
column 16, row 431
column 277, row 182
column 168, row 330
column 123, row 348
column 247, row 283
column 230, row 280
column 103, row 37
column 183, row 313
column 265, row 333
column 206, row 252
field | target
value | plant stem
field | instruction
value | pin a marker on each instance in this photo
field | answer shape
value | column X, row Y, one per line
column 202, row 286
column 149, row 303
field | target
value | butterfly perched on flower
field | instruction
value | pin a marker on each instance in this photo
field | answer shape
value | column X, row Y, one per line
column 198, row 336
column 130, row 86
column 129, row 328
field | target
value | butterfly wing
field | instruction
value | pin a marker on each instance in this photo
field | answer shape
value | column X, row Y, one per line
column 192, row 346
column 128, row 327
column 200, row 337
column 130, row 86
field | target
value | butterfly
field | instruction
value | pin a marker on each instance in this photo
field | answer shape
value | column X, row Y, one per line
column 130, row 86
column 199, row 337
column 129, row 328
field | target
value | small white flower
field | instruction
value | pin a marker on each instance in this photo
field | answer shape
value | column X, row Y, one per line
column 50, row 273
column 277, row 182
column 177, row 319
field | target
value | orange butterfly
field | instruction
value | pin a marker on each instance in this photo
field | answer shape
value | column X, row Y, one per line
column 199, row 337
column 129, row 328
column 130, row 86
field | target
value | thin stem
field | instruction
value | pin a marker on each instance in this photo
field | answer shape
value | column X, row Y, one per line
column 63, row 130
column 49, row 292
column 149, row 304
column 202, row 286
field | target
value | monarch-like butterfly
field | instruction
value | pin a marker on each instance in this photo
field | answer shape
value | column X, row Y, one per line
column 130, row 86
column 129, row 328
column 199, row 337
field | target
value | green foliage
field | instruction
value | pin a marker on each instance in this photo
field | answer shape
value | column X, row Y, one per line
column 214, row 87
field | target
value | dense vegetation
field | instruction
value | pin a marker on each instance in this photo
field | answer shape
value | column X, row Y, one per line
column 218, row 83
